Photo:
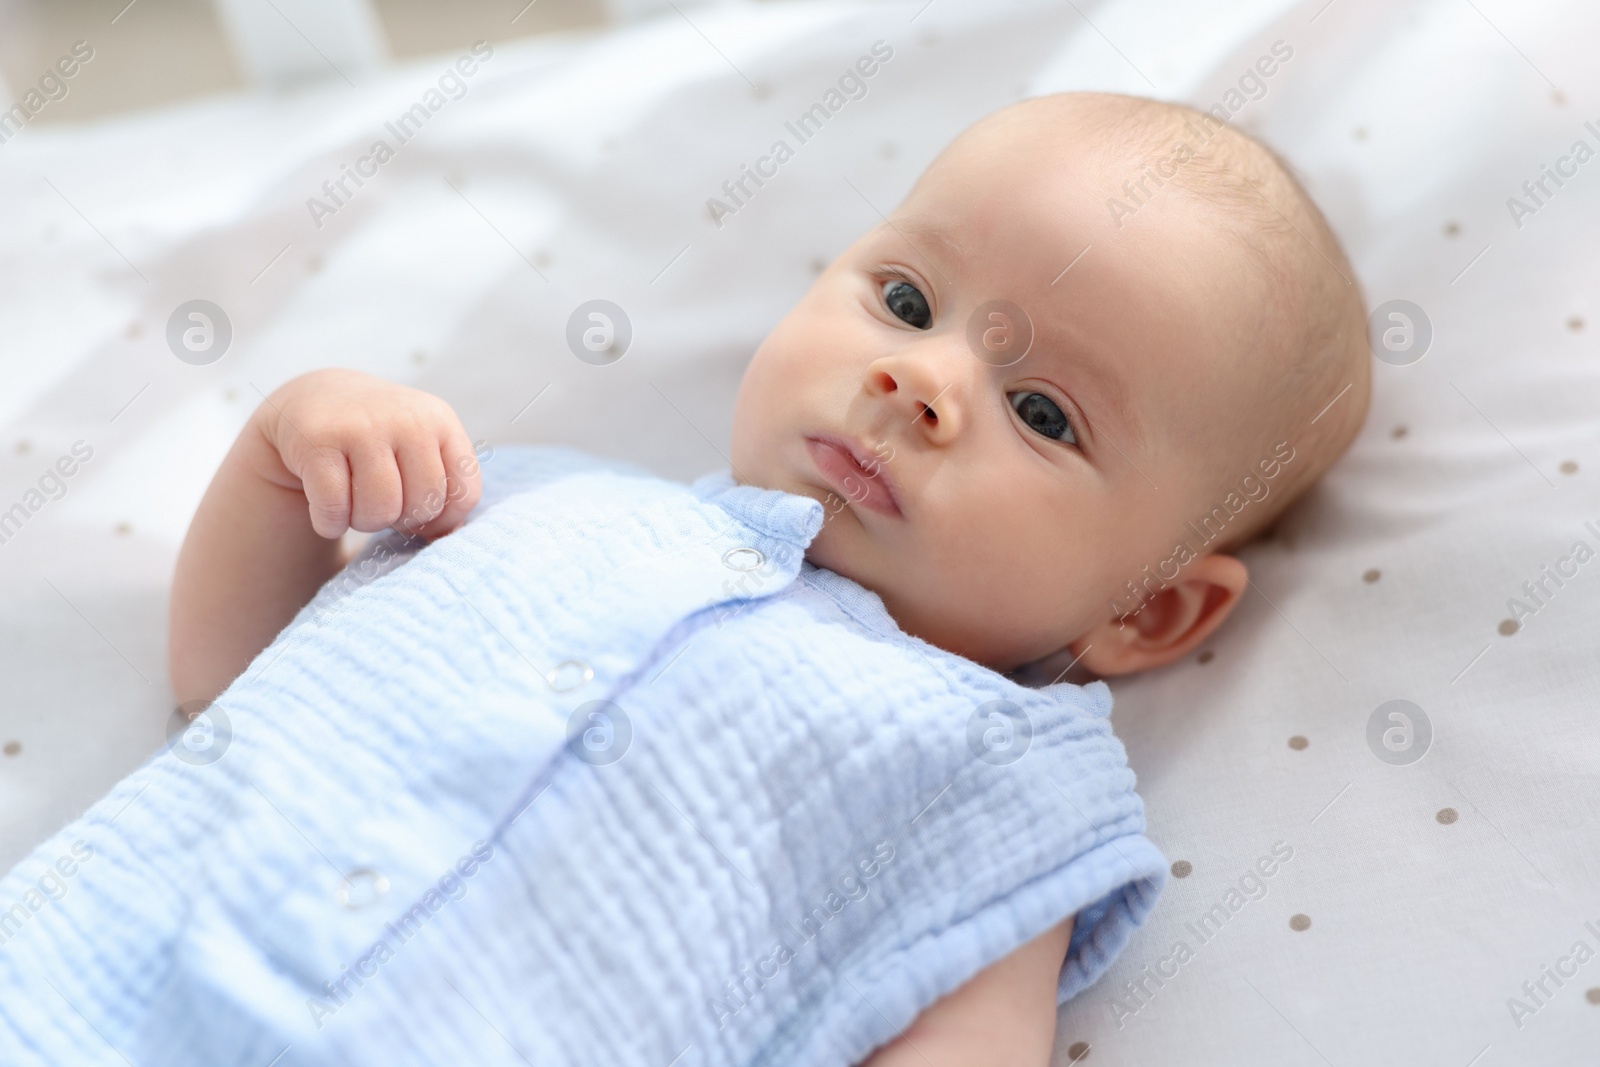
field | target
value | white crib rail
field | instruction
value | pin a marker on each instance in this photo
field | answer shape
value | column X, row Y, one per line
column 281, row 42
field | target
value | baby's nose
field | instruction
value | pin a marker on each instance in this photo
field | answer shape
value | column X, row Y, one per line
column 920, row 393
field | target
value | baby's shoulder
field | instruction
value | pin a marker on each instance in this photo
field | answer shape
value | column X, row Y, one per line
column 516, row 468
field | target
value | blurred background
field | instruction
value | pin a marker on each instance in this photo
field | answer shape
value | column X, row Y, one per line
column 171, row 50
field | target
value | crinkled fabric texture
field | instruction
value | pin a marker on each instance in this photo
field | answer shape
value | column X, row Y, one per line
column 609, row 775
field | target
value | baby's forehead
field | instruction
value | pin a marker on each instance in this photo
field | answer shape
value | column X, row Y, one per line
column 1143, row 316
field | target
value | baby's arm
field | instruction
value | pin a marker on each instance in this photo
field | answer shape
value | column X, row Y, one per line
column 328, row 451
column 1004, row 1015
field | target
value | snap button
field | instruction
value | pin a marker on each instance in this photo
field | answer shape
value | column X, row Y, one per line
column 568, row 675
column 361, row 887
column 743, row 559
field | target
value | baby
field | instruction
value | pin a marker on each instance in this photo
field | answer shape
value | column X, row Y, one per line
column 1093, row 319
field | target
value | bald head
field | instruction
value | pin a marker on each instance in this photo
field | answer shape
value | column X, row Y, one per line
column 1301, row 367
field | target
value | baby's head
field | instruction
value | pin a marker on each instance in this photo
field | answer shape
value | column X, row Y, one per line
column 1181, row 353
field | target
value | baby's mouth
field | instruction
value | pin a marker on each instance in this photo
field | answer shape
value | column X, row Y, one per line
column 854, row 473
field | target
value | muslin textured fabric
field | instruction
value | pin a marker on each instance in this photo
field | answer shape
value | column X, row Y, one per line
column 611, row 774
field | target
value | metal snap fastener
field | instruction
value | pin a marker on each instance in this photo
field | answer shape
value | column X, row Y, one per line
column 568, row 675
column 361, row 887
column 743, row 559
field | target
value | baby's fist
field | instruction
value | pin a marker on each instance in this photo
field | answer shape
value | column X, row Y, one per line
column 369, row 454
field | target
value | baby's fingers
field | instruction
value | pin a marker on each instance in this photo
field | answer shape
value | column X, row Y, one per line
column 423, row 475
column 463, row 484
column 375, row 487
column 325, row 477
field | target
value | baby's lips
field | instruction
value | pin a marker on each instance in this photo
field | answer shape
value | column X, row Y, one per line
column 853, row 473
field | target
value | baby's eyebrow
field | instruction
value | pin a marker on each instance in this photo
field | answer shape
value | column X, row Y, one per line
column 951, row 249
column 1109, row 388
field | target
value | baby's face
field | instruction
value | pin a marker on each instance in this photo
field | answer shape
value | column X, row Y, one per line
column 998, row 509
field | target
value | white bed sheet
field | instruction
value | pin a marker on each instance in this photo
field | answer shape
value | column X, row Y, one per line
column 581, row 168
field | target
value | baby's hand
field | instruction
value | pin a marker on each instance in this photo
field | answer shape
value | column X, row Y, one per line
column 369, row 454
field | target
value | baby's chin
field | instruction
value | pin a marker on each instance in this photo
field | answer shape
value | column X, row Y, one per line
column 836, row 548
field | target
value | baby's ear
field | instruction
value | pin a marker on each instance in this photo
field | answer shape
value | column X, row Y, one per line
column 1170, row 623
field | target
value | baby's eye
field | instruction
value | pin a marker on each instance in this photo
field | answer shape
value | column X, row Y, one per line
column 1042, row 414
column 907, row 304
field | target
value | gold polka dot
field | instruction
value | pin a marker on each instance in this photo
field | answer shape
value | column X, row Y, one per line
column 23, row 448
column 1575, row 323
column 1182, row 869
column 124, row 529
column 889, row 150
column 133, row 330
column 1509, row 626
column 1371, row 575
column 1298, row 742
column 1569, row 466
column 542, row 259
column 1452, row 228
column 1077, row 1052
column 1205, row 657
column 230, row 394
column 1359, row 133
column 13, row 747
column 419, row 358
column 1299, row 922
column 762, row 90
column 1592, row 994
column 818, row 266
column 1447, row 816
column 1558, row 98
column 1398, row 432
column 928, row 39
column 313, row 264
